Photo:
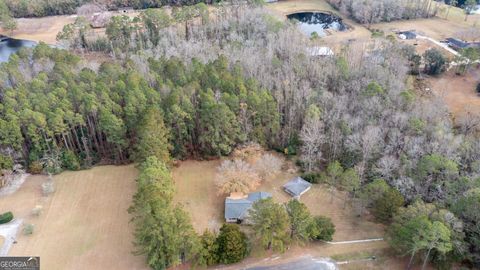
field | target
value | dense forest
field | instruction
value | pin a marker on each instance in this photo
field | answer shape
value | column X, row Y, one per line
column 218, row 81
column 58, row 110
column 41, row 8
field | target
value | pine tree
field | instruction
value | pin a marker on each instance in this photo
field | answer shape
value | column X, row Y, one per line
column 270, row 223
column 300, row 220
column 152, row 137
column 232, row 244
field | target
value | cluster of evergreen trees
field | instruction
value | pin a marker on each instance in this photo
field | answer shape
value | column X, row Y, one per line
column 74, row 117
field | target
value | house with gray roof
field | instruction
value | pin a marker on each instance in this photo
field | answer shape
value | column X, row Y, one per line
column 236, row 210
column 297, row 187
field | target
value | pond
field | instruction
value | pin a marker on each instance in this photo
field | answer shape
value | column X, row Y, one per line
column 9, row 46
column 318, row 22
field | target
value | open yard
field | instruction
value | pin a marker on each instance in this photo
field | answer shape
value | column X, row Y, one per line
column 40, row 29
column 197, row 192
column 458, row 92
column 84, row 224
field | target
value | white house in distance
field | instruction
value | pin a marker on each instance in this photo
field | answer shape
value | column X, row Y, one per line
column 297, row 187
column 318, row 51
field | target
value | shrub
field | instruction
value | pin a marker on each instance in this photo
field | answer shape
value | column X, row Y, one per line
column 70, row 161
column 6, row 217
column 6, row 162
column 387, row 205
column 435, row 62
column 376, row 33
column 48, row 188
column 208, row 253
column 28, row 229
column 314, row 177
column 268, row 165
column 325, row 228
column 35, row 167
column 37, row 210
column 232, row 244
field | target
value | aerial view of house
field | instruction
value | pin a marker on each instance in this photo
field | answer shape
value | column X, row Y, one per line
column 226, row 135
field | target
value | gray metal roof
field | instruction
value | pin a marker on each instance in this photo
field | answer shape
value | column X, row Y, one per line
column 238, row 208
column 297, row 186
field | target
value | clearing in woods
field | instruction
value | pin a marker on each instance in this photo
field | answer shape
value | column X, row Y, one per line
column 196, row 191
column 458, row 92
column 84, row 224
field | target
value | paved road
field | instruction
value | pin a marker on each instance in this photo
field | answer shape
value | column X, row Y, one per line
column 302, row 264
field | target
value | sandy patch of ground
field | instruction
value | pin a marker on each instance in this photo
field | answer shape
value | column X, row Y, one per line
column 458, row 92
column 84, row 224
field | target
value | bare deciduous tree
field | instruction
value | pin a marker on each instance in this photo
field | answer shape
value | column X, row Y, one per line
column 236, row 176
column 268, row 166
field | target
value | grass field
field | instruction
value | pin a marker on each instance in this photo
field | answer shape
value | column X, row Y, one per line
column 84, row 224
column 458, row 92
column 40, row 29
column 196, row 191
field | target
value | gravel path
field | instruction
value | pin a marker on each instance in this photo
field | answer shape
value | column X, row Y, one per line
column 354, row 241
column 443, row 45
column 9, row 232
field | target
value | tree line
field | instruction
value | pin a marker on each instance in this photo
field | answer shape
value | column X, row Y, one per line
column 374, row 11
column 207, row 109
column 42, row 8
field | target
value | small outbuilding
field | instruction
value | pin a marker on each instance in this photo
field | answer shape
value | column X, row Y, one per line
column 407, row 35
column 297, row 187
column 236, row 209
column 456, row 43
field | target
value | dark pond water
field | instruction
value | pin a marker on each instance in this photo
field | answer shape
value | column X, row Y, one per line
column 318, row 22
column 11, row 45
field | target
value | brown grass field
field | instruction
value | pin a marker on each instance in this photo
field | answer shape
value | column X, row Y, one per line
column 196, row 191
column 84, row 224
column 458, row 92
column 40, row 29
